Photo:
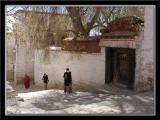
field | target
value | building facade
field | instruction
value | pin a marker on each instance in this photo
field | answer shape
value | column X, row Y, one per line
column 123, row 56
column 125, row 59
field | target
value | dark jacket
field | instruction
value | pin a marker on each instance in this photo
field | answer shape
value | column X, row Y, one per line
column 70, row 78
column 45, row 78
column 67, row 78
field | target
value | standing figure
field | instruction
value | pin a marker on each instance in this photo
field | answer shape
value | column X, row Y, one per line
column 67, row 81
column 70, row 81
column 45, row 80
column 26, row 81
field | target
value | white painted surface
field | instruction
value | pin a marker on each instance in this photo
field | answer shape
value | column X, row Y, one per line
column 24, row 63
column 149, row 35
column 86, row 68
column 10, row 44
column 145, row 52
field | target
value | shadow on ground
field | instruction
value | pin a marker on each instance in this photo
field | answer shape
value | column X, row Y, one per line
column 128, row 102
column 106, row 99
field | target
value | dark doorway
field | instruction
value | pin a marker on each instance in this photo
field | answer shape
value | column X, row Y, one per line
column 120, row 62
column 108, row 65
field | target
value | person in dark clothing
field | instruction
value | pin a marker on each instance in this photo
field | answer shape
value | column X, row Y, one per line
column 45, row 80
column 67, row 81
column 70, row 82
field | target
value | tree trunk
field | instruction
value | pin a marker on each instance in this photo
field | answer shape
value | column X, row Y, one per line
column 76, row 19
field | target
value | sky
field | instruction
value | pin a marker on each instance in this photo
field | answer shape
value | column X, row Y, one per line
column 9, row 19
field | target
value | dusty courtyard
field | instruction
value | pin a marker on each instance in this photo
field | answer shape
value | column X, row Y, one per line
column 109, row 100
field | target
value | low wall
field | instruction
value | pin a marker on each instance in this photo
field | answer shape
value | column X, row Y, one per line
column 88, row 70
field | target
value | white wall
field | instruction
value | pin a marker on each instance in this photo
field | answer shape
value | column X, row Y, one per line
column 145, row 53
column 24, row 63
column 87, row 69
column 148, row 47
column 10, row 44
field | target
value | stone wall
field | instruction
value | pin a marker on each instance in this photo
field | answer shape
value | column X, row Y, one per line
column 88, row 70
column 145, row 54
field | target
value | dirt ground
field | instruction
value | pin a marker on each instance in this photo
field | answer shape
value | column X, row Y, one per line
column 21, row 89
column 108, row 100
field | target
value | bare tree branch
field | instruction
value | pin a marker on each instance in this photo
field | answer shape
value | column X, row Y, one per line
column 109, row 14
column 12, row 9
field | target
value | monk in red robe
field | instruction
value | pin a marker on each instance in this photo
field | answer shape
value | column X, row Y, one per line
column 26, row 81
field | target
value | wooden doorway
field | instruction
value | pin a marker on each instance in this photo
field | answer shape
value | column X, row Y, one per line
column 120, row 66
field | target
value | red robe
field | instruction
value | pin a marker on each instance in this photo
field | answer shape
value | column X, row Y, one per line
column 26, row 81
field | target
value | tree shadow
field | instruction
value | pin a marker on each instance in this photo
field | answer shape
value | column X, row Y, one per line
column 127, row 104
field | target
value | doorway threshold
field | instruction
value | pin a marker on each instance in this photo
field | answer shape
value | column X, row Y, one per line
column 120, row 85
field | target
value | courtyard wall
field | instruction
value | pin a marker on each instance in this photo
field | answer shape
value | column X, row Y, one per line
column 88, row 70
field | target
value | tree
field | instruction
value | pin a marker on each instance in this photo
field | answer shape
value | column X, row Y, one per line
column 85, row 19
column 43, row 28
column 82, row 24
column 49, row 23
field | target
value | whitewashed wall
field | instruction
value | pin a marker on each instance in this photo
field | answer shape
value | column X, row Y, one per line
column 145, row 53
column 10, row 44
column 87, row 69
column 24, row 63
